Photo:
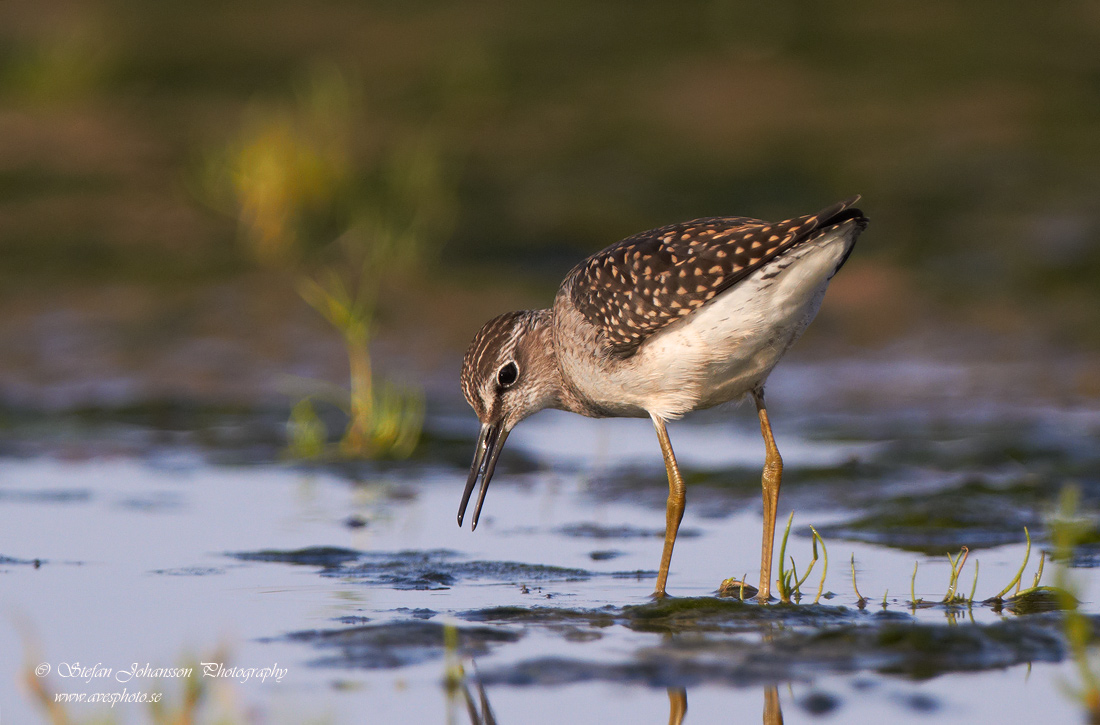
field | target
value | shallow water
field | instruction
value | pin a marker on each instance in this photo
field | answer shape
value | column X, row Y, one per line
column 124, row 542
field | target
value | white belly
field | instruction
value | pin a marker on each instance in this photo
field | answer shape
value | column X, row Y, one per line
column 729, row 346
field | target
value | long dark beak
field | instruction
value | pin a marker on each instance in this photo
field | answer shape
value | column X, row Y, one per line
column 489, row 445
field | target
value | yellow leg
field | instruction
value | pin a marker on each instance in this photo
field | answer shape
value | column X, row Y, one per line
column 773, row 475
column 773, row 713
column 675, row 509
column 677, row 705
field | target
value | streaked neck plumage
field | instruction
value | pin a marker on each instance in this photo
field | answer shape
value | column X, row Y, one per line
column 544, row 386
column 510, row 372
column 525, row 338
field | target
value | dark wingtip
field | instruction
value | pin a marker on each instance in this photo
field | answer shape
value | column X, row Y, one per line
column 841, row 212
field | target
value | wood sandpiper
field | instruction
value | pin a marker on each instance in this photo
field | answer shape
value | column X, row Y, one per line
column 665, row 322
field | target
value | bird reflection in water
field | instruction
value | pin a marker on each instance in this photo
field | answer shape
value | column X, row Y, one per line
column 678, row 706
column 480, row 713
column 773, row 713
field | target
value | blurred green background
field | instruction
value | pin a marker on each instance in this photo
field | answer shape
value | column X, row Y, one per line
column 972, row 130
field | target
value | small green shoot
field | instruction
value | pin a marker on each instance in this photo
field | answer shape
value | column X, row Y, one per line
column 790, row 584
column 913, row 601
column 1036, row 579
column 825, row 564
column 861, row 601
column 1016, row 579
column 1067, row 529
column 784, row 575
column 974, row 586
column 957, row 563
column 736, row 587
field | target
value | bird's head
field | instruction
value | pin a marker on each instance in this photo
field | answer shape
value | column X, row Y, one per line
column 509, row 373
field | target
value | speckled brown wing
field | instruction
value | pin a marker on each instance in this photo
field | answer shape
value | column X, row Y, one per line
column 634, row 288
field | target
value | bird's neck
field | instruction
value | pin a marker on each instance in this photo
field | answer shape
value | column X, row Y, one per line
column 553, row 391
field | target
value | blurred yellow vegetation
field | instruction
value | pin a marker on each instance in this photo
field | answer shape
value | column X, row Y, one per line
column 349, row 230
column 277, row 176
column 289, row 164
column 1069, row 527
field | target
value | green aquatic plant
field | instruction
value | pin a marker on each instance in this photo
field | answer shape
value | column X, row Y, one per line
column 1020, row 572
column 1035, row 598
column 824, row 566
column 349, row 230
column 974, row 586
column 382, row 418
column 789, row 583
column 1036, row 595
column 734, row 587
column 913, row 601
column 957, row 563
column 861, row 601
column 1067, row 529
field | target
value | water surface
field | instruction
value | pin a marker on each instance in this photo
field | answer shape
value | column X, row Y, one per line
column 117, row 551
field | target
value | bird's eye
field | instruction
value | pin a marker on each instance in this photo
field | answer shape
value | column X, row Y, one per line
column 507, row 375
